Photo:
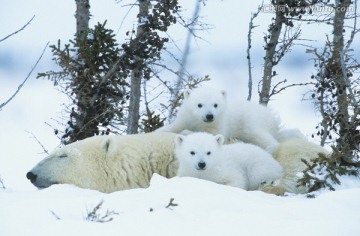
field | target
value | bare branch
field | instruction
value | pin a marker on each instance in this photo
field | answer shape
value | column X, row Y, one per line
column 27, row 77
column 125, row 16
column 274, row 90
column 171, row 203
column 251, row 27
column 55, row 215
column 184, row 59
column 95, row 216
column 353, row 32
column 38, row 141
column 347, row 81
column 324, row 122
column 286, row 43
column 18, row 30
column 2, row 183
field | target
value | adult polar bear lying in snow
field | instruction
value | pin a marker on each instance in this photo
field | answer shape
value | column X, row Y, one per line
column 112, row 163
column 108, row 163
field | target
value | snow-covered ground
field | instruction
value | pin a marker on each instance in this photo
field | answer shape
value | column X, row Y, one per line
column 198, row 208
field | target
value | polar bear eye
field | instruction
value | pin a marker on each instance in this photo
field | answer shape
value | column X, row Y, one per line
column 208, row 153
column 192, row 153
column 199, row 105
column 215, row 105
column 63, row 156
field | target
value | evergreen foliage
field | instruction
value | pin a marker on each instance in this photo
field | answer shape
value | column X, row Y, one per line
column 152, row 121
column 96, row 72
column 98, row 92
column 323, row 172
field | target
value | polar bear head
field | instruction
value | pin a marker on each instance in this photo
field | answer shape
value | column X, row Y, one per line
column 80, row 163
column 197, row 152
column 205, row 104
column 108, row 163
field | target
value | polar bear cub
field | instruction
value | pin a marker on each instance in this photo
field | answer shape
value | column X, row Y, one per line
column 207, row 110
column 203, row 155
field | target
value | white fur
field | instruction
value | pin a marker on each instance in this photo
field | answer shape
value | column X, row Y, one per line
column 249, row 122
column 241, row 165
column 109, row 163
column 289, row 154
column 112, row 163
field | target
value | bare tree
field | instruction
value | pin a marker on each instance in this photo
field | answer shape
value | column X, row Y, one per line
column 136, row 76
column 280, row 38
column 271, row 41
column 248, row 55
column 338, row 72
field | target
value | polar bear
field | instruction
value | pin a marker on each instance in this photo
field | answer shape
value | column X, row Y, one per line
column 289, row 154
column 112, row 163
column 206, row 109
column 108, row 163
column 241, row 165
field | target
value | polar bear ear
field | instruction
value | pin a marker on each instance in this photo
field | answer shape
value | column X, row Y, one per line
column 107, row 146
column 179, row 139
column 219, row 139
column 223, row 92
column 187, row 94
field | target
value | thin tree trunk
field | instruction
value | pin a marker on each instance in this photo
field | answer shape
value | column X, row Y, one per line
column 135, row 84
column 85, row 129
column 251, row 27
column 82, row 16
column 134, row 104
column 269, row 56
column 336, row 68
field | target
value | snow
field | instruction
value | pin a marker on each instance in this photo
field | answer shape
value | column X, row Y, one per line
column 143, row 21
column 90, row 36
column 204, row 208
column 200, row 208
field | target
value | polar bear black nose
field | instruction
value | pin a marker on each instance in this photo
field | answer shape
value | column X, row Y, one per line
column 210, row 117
column 202, row 165
column 32, row 177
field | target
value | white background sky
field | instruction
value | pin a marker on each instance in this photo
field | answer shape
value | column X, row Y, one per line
column 222, row 56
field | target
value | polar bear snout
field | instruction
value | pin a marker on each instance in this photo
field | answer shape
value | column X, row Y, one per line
column 201, row 166
column 39, row 181
column 209, row 118
column 31, row 176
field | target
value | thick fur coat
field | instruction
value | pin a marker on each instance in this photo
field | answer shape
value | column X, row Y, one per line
column 108, row 163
